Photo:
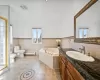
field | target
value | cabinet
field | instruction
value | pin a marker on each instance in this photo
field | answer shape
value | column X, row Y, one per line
column 68, row 72
column 69, row 77
column 63, row 70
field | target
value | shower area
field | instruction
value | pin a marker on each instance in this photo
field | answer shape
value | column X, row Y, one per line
column 4, row 38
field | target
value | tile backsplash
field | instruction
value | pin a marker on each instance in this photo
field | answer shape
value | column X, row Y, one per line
column 26, row 43
column 93, row 49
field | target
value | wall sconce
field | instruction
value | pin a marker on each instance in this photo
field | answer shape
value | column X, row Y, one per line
column 58, row 42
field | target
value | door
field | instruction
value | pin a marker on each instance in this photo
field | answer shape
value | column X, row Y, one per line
column 3, row 43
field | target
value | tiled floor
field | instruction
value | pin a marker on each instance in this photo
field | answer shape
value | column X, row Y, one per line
column 1, row 67
column 30, row 68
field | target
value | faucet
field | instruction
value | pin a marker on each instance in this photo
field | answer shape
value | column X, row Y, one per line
column 82, row 49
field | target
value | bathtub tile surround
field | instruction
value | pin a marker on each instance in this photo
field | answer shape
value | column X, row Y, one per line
column 65, row 43
column 93, row 49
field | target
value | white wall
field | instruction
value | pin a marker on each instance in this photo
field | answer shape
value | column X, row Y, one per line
column 4, row 11
column 55, row 17
column 46, row 15
column 71, row 11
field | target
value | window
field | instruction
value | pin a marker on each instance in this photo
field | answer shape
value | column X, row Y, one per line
column 2, row 42
column 36, row 35
column 83, row 32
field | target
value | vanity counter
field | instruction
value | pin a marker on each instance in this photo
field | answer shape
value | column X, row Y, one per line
column 89, row 70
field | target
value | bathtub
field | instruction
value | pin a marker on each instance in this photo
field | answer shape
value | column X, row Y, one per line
column 50, row 57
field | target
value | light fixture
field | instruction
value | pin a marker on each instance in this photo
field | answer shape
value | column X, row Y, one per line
column 46, row 0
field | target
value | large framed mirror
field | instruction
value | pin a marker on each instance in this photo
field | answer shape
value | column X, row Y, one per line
column 87, row 23
column 3, row 43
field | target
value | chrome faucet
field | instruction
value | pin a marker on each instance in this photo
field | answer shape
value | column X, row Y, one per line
column 82, row 49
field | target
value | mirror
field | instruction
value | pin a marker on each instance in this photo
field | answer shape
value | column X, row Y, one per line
column 87, row 23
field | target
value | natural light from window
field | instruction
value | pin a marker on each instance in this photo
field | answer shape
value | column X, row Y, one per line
column 83, row 32
column 36, row 35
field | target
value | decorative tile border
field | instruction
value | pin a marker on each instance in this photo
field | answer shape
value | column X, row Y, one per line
column 27, row 75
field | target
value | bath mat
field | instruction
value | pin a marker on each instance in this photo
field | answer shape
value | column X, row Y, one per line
column 27, row 75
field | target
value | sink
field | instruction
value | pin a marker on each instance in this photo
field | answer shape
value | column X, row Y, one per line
column 80, row 56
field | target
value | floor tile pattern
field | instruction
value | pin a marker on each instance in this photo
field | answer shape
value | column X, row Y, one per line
column 30, row 68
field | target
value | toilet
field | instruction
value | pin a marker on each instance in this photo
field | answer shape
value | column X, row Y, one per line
column 18, row 51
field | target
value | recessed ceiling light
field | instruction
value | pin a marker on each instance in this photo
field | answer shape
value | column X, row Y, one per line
column 46, row 0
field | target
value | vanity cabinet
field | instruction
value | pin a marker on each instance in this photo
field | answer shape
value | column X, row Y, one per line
column 63, row 70
column 67, row 70
column 68, row 76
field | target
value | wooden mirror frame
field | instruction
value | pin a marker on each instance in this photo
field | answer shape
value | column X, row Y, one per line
column 90, row 40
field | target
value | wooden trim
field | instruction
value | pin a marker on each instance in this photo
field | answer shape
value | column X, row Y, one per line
column 91, row 40
column 3, row 18
column 74, row 27
column 87, row 6
column 7, row 35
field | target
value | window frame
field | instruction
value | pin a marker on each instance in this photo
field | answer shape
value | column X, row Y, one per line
column 83, row 32
column 36, row 36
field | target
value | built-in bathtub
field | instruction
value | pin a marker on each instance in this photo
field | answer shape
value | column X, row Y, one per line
column 50, row 56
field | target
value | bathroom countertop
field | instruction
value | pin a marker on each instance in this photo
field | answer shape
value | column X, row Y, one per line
column 89, row 70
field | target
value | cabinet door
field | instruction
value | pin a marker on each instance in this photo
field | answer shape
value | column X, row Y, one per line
column 62, row 70
column 76, row 75
column 66, row 74
column 69, row 77
column 60, row 65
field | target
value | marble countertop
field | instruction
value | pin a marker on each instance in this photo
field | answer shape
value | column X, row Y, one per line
column 89, row 70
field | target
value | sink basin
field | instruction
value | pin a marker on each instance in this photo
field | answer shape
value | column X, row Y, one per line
column 79, row 56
